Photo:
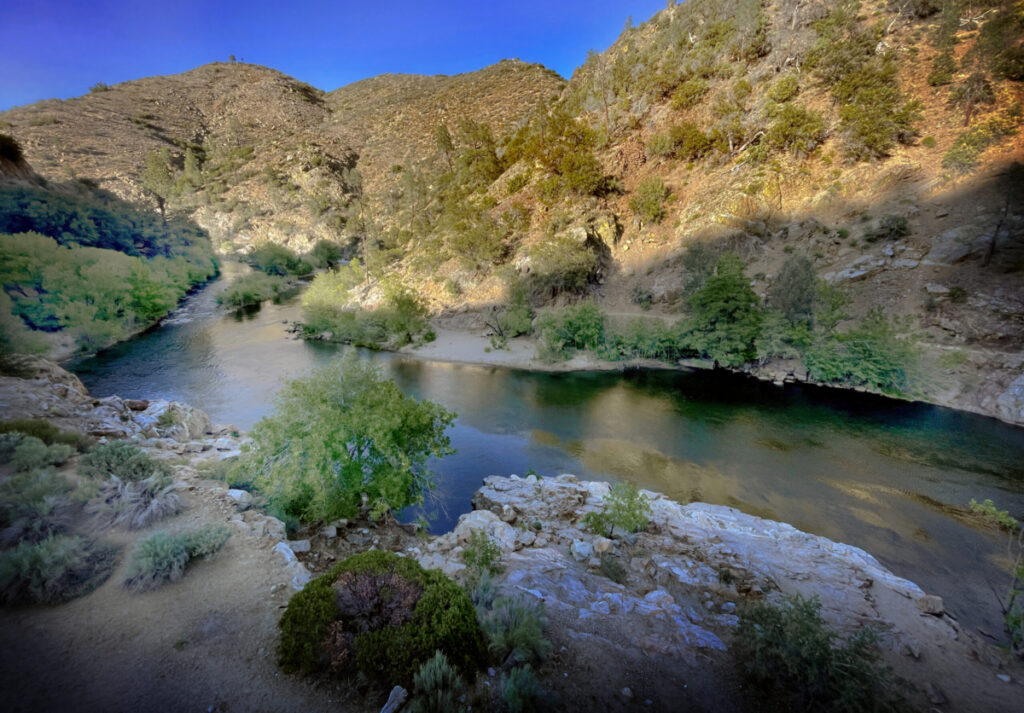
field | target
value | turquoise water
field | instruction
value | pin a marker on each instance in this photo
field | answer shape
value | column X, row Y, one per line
column 883, row 475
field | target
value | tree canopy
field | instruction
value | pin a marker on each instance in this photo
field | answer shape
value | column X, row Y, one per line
column 344, row 436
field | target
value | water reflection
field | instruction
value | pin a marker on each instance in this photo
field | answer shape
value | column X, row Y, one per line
column 891, row 477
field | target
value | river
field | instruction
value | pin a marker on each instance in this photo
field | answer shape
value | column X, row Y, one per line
column 884, row 475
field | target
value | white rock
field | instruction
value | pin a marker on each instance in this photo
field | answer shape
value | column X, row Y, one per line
column 299, row 545
column 581, row 550
column 603, row 544
column 242, row 498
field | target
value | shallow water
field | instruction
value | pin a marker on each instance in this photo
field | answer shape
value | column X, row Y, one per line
column 883, row 475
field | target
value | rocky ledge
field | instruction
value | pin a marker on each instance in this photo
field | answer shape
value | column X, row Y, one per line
column 684, row 576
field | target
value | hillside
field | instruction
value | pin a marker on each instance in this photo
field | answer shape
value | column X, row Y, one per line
column 871, row 145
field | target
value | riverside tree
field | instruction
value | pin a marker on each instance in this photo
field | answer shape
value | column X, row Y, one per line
column 344, row 436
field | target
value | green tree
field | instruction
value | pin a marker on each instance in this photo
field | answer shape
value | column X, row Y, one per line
column 157, row 178
column 794, row 290
column 726, row 316
column 342, row 436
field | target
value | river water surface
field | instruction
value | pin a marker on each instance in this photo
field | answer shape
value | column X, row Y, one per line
column 886, row 476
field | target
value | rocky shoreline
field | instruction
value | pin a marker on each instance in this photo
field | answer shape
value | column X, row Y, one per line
column 667, row 615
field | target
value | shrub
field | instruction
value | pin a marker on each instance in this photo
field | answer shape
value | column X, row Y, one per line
column 512, row 321
column 124, row 460
column 965, row 152
column 482, row 556
column 928, row 142
column 515, row 631
column 32, row 454
column 688, row 141
column 10, row 149
column 784, row 89
column 404, row 313
column 579, row 327
column 796, row 129
column 436, row 687
column 326, row 253
column 134, row 504
column 871, row 354
column 381, row 614
column 522, row 692
column 342, row 434
column 46, row 432
column 625, row 508
column 689, row 93
column 57, row 569
column 34, row 506
column 252, row 289
column 890, row 227
column 648, row 200
column 275, row 259
column 943, row 68
column 162, row 558
column 560, row 265
column 788, row 653
column 988, row 511
column 612, row 568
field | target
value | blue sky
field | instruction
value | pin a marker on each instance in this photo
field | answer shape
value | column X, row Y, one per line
column 59, row 48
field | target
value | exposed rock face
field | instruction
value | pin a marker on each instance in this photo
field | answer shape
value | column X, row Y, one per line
column 59, row 396
column 684, row 574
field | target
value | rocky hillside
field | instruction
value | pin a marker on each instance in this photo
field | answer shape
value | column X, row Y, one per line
column 253, row 154
column 872, row 145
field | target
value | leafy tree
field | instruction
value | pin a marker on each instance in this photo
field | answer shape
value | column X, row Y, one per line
column 342, row 436
column 794, row 290
column 725, row 315
column 444, row 143
column 157, row 178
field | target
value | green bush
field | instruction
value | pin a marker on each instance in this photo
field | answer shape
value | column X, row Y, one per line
column 988, row 511
column 342, row 434
column 522, row 692
column 562, row 332
column 396, row 615
column 560, row 265
column 162, row 558
column 252, row 289
column 35, row 505
column 32, row 454
column 276, row 259
column 515, row 631
column 124, row 460
column 625, row 508
column 688, row 94
column 796, row 129
column 871, row 354
column 482, row 556
column 890, row 227
column 648, row 199
column 326, row 253
column 784, row 89
column 943, row 68
column 787, row 653
column 436, row 687
column 57, row 569
column 963, row 155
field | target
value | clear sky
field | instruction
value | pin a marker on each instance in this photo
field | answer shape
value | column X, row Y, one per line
column 59, row 48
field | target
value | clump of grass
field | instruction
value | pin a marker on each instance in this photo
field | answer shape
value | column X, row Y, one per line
column 56, row 569
column 123, row 460
column 522, row 692
column 162, row 558
column 34, row 506
column 134, row 504
column 515, row 631
column 482, row 557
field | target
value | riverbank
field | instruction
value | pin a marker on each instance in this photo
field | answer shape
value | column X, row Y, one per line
column 660, row 636
column 1002, row 397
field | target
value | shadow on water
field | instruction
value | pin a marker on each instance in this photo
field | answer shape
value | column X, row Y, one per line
column 891, row 477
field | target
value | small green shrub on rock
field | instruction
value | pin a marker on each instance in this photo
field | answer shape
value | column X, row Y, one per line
column 521, row 691
column 788, row 653
column 382, row 615
column 122, row 459
column 625, row 508
column 481, row 556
